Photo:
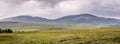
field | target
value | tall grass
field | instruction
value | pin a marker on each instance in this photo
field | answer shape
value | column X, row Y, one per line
column 92, row 36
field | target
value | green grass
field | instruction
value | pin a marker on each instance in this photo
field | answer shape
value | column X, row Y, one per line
column 86, row 36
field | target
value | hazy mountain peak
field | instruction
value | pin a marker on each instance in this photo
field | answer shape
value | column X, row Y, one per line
column 26, row 18
column 77, row 17
column 86, row 18
column 87, row 15
column 23, row 16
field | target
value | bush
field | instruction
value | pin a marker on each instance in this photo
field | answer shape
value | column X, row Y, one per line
column 0, row 30
column 6, row 30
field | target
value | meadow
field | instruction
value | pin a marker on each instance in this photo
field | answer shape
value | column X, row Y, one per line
column 84, row 36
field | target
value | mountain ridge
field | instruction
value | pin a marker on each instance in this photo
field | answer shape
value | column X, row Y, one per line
column 26, row 18
column 80, row 18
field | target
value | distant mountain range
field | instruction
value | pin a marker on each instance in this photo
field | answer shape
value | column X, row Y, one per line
column 82, row 18
column 26, row 19
column 85, row 20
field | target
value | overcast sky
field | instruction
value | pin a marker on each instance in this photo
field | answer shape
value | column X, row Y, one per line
column 52, row 9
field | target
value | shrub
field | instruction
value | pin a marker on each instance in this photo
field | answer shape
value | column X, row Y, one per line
column 6, row 30
column 0, row 30
column 9, row 30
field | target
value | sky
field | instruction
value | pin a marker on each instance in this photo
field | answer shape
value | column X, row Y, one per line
column 52, row 9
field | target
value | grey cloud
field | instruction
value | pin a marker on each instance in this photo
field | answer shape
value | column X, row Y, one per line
column 51, row 3
column 58, row 8
column 108, row 8
column 15, row 1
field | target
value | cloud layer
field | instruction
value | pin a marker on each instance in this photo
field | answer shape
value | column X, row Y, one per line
column 57, row 8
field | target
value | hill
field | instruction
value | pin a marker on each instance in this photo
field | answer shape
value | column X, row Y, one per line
column 26, row 19
column 87, row 18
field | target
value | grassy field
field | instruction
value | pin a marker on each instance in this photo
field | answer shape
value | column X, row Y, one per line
column 85, row 36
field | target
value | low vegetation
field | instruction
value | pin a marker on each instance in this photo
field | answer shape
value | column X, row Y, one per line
column 6, row 30
column 85, row 36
